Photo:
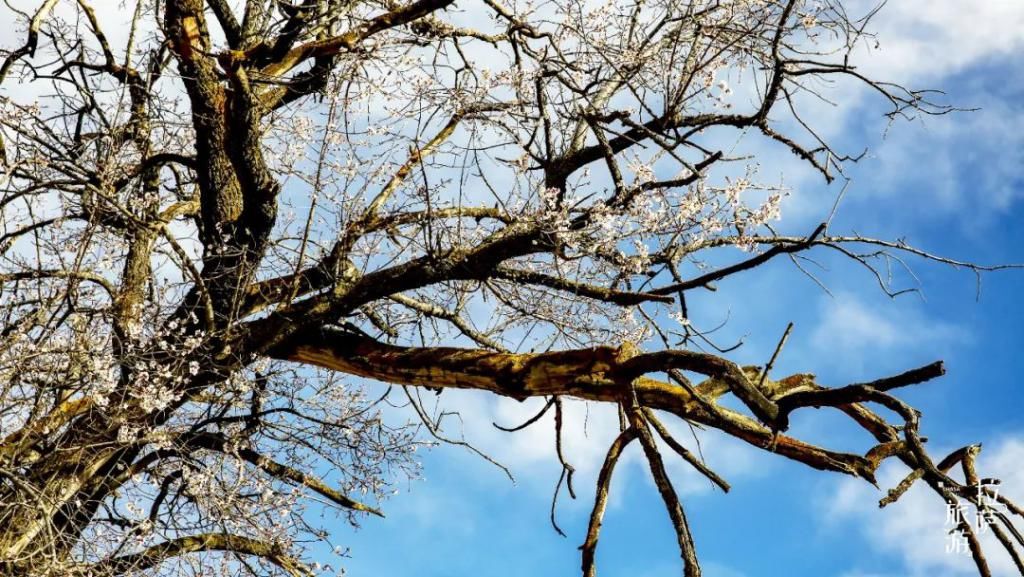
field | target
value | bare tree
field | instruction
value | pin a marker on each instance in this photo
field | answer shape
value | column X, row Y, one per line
column 216, row 214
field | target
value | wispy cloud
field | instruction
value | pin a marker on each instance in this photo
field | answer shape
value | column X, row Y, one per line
column 967, row 164
column 853, row 330
column 929, row 39
column 914, row 528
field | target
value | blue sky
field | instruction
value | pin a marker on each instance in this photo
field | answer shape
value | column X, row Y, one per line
column 949, row 184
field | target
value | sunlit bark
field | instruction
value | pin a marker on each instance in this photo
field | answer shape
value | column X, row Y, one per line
column 212, row 203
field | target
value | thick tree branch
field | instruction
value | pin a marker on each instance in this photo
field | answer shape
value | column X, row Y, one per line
column 687, row 550
column 349, row 40
column 604, row 479
column 595, row 374
column 156, row 555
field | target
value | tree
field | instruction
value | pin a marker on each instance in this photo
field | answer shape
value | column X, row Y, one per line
column 215, row 215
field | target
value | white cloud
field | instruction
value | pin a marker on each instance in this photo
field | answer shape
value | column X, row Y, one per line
column 914, row 528
column 967, row 163
column 861, row 330
column 588, row 430
column 430, row 503
column 963, row 162
column 929, row 39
